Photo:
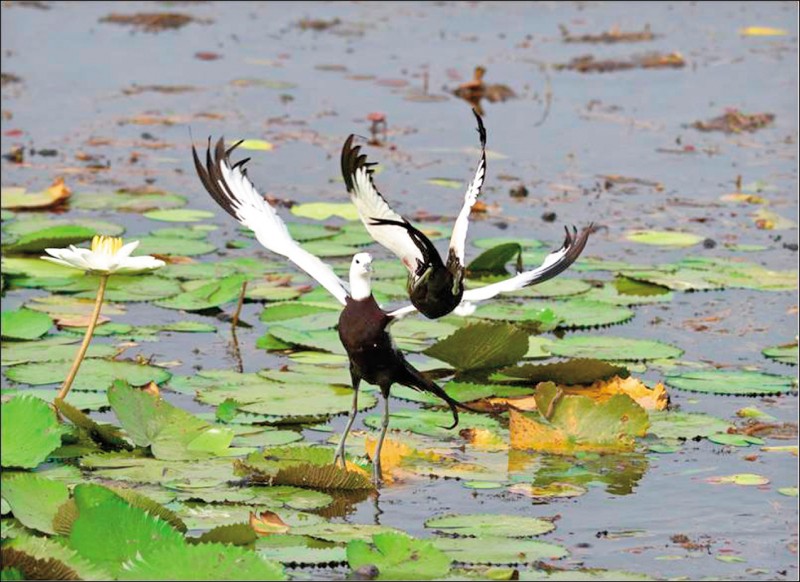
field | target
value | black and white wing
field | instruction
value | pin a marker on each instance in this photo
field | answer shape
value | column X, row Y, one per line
column 458, row 239
column 553, row 264
column 382, row 223
column 232, row 189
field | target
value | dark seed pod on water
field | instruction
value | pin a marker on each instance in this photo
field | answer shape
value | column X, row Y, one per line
column 366, row 572
column 709, row 243
column 549, row 216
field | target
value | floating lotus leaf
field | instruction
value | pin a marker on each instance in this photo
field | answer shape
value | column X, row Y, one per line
column 293, row 310
column 686, row 425
column 325, row 340
column 298, row 397
column 342, row 532
column 95, row 374
column 179, row 215
column 125, row 201
column 197, row 271
column 498, row 550
column 552, row 490
column 481, row 346
column 170, row 432
column 303, row 232
column 324, row 210
column 611, row 293
column 568, row 423
column 786, row 353
column 30, row 432
column 612, row 348
column 399, row 557
column 462, row 391
column 560, row 287
column 109, row 532
column 490, row 524
column 137, row 469
column 34, row 500
column 574, row 313
column 493, row 261
column 52, row 237
column 37, row 269
column 18, row 565
column 80, row 400
column 24, row 324
column 199, row 516
column 300, row 550
column 267, row 291
column 664, row 238
column 432, row 422
column 45, row 548
column 583, row 574
column 206, row 295
column 125, row 287
column 735, row 440
column 747, row 479
column 168, row 245
column 577, row 371
column 732, row 382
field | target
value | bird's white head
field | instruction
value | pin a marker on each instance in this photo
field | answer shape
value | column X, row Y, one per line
column 360, row 270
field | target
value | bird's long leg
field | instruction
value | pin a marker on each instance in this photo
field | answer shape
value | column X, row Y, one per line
column 339, row 456
column 376, row 462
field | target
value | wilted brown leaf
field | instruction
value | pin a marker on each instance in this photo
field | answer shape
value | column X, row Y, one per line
column 267, row 523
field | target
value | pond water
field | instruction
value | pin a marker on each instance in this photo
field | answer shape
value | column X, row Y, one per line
column 255, row 73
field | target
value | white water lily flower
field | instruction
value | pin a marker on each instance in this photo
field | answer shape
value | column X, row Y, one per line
column 108, row 255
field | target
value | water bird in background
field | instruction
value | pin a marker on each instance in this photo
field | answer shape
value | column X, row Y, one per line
column 435, row 286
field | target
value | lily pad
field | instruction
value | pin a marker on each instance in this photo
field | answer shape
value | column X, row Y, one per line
column 732, row 382
column 499, row 550
column 493, row 261
column 664, row 238
column 207, row 295
column 686, row 425
column 482, row 346
column 34, row 500
column 577, row 371
column 342, row 532
column 167, row 245
column 613, row 348
column 24, row 324
column 399, row 557
column 179, row 215
column 786, row 354
column 490, row 524
column 170, row 432
column 50, row 349
column 746, row 479
column 432, row 422
column 126, row 201
column 54, row 236
column 94, row 374
column 324, row 210
column 30, row 432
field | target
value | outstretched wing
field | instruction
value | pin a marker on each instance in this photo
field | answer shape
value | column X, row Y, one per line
column 232, row 189
column 372, row 207
column 458, row 239
column 553, row 264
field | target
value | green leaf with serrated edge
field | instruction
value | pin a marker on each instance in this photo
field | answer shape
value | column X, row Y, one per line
column 34, row 500
column 208, row 561
column 237, row 534
column 577, row 371
column 342, row 532
column 612, row 348
column 302, row 550
column 206, row 295
column 433, row 422
column 30, row 432
column 45, row 548
column 490, row 524
column 732, row 382
column 109, row 532
column 170, row 432
column 24, row 324
column 786, row 354
column 481, row 346
column 399, row 557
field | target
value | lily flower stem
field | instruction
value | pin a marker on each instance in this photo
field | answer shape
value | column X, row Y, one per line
column 87, row 338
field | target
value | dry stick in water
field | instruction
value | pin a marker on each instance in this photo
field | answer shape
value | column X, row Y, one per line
column 87, row 338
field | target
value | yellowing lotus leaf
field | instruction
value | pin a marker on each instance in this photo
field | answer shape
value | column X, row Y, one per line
column 602, row 390
column 567, row 423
